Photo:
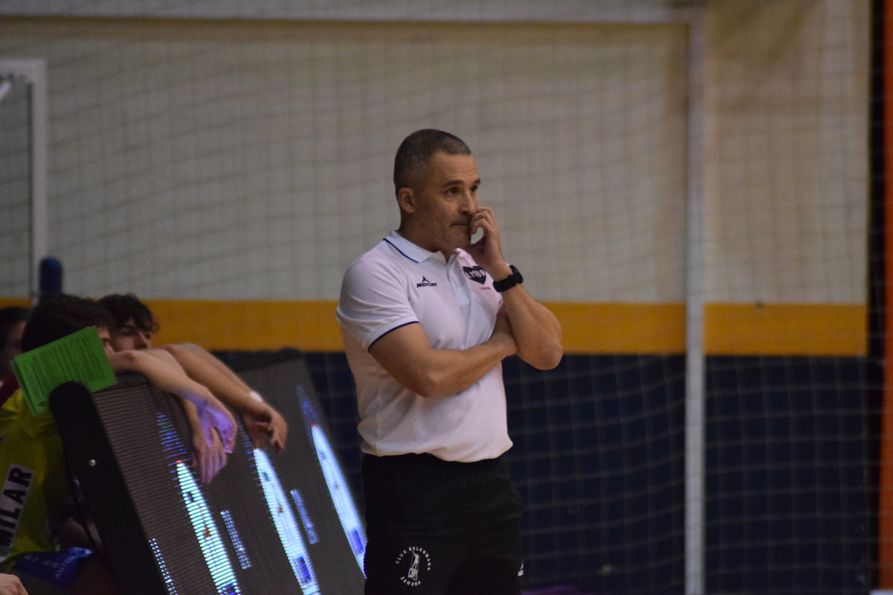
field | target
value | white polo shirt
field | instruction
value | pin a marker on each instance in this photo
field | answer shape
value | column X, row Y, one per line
column 398, row 283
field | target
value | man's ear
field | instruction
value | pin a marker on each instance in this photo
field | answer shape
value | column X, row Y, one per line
column 406, row 199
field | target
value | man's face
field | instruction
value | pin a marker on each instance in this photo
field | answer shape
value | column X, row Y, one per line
column 444, row 202
column 130, row 336
column 11, row 347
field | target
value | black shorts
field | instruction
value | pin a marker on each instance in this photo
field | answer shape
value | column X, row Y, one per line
column 436, row 527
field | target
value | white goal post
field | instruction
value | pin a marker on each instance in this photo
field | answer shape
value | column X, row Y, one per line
column 32, row 72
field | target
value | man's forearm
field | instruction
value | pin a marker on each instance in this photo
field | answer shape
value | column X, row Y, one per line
column 407, row 355
column 536, row 330
column 448, row 372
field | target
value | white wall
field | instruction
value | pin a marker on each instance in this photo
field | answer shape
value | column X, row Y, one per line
column 252, row 159
column 14, row 191
column 787, row 176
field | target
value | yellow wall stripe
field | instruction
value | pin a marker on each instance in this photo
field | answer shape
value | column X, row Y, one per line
column 249, row 325
column 729, row 329
column 622, row 328
column 786, row 329
column 8, row 301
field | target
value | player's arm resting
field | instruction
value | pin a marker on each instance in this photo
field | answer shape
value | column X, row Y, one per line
column 177, row 350
column 407, row 355
column 208, row 455
column 536, row 330
column 264, row 424
column 168, row 376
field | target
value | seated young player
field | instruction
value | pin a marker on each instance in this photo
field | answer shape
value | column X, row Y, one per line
column 35, row 542
column 134, row 327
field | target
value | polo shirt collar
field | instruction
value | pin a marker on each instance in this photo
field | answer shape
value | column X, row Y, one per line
column 411, row 251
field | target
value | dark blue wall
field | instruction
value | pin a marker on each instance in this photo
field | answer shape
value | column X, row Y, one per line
column 791, row 460
column 599, row 457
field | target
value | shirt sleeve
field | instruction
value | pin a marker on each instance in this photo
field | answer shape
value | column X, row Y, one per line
column 374, row 301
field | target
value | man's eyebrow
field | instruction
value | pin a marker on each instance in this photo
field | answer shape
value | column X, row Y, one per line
column 458, row 182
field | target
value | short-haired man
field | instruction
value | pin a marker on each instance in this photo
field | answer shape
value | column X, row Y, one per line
column 427, row 317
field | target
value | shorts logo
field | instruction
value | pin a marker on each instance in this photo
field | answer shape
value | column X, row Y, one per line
column 415, row 560
column 425, row 283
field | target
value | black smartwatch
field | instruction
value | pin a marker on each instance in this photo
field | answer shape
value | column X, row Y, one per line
column 514, row 279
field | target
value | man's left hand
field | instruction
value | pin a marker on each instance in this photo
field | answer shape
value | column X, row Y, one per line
column 487, row 251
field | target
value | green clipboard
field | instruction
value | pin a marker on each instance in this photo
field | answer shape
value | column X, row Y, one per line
column 78, row 357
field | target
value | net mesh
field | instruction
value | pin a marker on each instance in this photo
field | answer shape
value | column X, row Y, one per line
column 15, row 168
column 243, row 153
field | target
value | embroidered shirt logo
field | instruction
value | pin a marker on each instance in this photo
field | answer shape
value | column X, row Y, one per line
column 476, row 274
column 413, row 561
column 425, row 283
column 12, row 502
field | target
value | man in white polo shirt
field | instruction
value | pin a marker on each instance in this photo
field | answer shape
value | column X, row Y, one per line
column 427, row 317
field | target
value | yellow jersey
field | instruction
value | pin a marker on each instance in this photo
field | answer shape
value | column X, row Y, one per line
column 35, row 497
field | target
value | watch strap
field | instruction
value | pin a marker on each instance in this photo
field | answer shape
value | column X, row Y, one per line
column 514, row 279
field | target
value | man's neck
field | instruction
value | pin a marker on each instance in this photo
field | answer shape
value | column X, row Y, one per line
column 416, row 238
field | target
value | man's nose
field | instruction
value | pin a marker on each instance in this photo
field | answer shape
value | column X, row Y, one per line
column 142, row 341
column 468, row 205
